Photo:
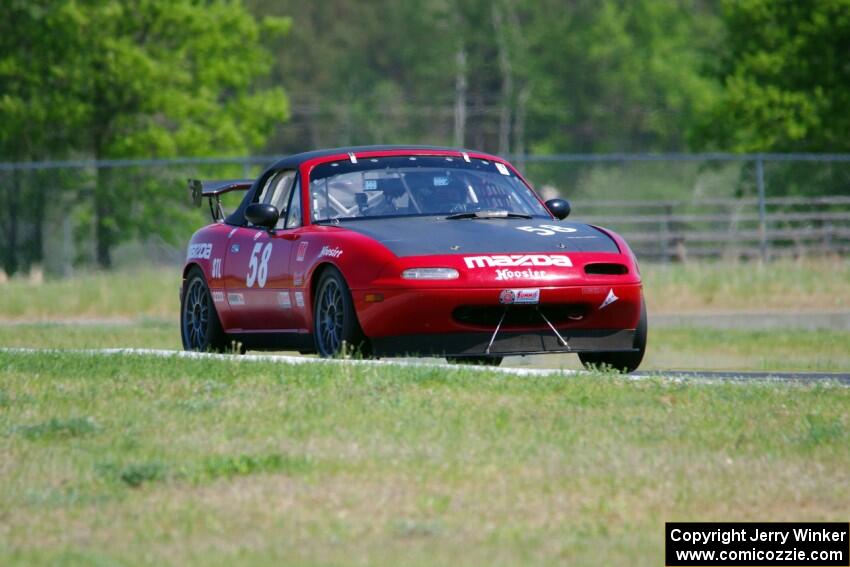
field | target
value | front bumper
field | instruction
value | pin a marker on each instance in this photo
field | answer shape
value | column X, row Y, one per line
column 426, row 321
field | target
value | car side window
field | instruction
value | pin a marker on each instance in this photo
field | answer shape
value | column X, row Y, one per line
column 293, row 213
column 277, row 191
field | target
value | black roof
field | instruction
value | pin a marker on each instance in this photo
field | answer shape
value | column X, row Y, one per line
column 297, row 159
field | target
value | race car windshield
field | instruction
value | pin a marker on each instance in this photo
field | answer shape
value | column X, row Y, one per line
column 419, row 186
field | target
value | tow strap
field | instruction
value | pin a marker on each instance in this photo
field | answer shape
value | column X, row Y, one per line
column 561, row 340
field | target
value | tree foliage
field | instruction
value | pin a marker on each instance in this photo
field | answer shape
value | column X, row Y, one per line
column 587, row 75
column 162, row 78
column 153, row 78
column 619, row 75
column 785, row 77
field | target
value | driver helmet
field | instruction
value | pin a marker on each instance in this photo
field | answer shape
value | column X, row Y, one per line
column 450, row 190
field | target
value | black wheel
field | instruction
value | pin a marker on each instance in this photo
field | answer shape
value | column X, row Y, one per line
column 200, row 327
column 479, row 360
column 336, row 330
column 621, row 361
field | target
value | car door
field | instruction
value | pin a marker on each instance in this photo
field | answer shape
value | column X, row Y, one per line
column 257, row 265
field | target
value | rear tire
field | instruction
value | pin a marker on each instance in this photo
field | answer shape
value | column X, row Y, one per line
column 620, row 361
column 200, row 327
column 478, row 360
column 336, row 330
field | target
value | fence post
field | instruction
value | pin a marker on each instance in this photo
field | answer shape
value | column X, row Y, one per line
column 666, row 226
column 762, row 208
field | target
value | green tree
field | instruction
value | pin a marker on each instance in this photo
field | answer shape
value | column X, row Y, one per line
column 153, row 78
column 500, row 75
column 34, row 106
column 785, row 78
column 619, row 75
column 169, row 78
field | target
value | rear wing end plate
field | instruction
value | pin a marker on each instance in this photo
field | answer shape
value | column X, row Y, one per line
column 213, row 190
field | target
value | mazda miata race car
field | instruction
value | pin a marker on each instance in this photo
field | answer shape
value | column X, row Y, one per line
column 393, row 251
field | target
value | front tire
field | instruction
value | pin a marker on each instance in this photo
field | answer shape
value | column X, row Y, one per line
column 620, row 361
column 336, row 330
column 200, row 327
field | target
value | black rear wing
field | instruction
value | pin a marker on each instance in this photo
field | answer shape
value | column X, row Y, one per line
column 213, row 190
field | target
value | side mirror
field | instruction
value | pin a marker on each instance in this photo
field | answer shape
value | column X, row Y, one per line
column 560, row 208
column 262, row 214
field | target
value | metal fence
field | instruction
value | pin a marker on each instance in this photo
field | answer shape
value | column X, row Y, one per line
column 676, row 207
column 676, row 230
column 671, row 207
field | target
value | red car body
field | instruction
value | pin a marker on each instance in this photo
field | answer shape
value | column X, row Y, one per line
column 588, row 280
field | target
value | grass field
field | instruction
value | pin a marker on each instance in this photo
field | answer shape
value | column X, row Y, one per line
column 783, row 285
column 793, row 286
column 139, row 309
column 140, row 460
column 669, row 348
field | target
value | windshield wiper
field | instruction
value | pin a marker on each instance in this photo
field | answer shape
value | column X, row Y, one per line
column 489, row 215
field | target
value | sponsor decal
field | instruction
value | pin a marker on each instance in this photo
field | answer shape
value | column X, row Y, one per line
column 502, row 169
column 258, row 235
column 331, row 252
column 592, row 290
column 284, row 300
column 216, row 268
column 547, row 229
column 522, row 296
column 441, row 181
column 236, row 299
column 230, row 235
column 302, row 251
column 299, row 299
column 517, row 261
column 370, row 185
column 218, row 296
column 507, row 296
column 298, row 280
column 234, row 248
column 506, row 274
column 202, row 250
column 611, row 298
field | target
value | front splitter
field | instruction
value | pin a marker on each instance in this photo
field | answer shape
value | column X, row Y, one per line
column 506, row 343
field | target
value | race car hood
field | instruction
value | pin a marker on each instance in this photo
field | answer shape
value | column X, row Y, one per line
column 422, row 236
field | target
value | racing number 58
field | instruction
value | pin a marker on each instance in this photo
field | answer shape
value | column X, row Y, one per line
column 258, row 266
column 546, row 229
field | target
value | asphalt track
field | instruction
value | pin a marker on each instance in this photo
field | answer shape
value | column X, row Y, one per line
column 675, row 375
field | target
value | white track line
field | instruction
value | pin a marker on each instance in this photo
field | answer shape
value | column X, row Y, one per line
column 692, row 377
column 288, row 359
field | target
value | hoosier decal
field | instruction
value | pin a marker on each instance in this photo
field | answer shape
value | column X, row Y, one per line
column 506, row 274
column 517, row 261
column 332, row 252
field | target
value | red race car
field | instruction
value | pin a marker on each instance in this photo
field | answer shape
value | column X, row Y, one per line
column 407, row 251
